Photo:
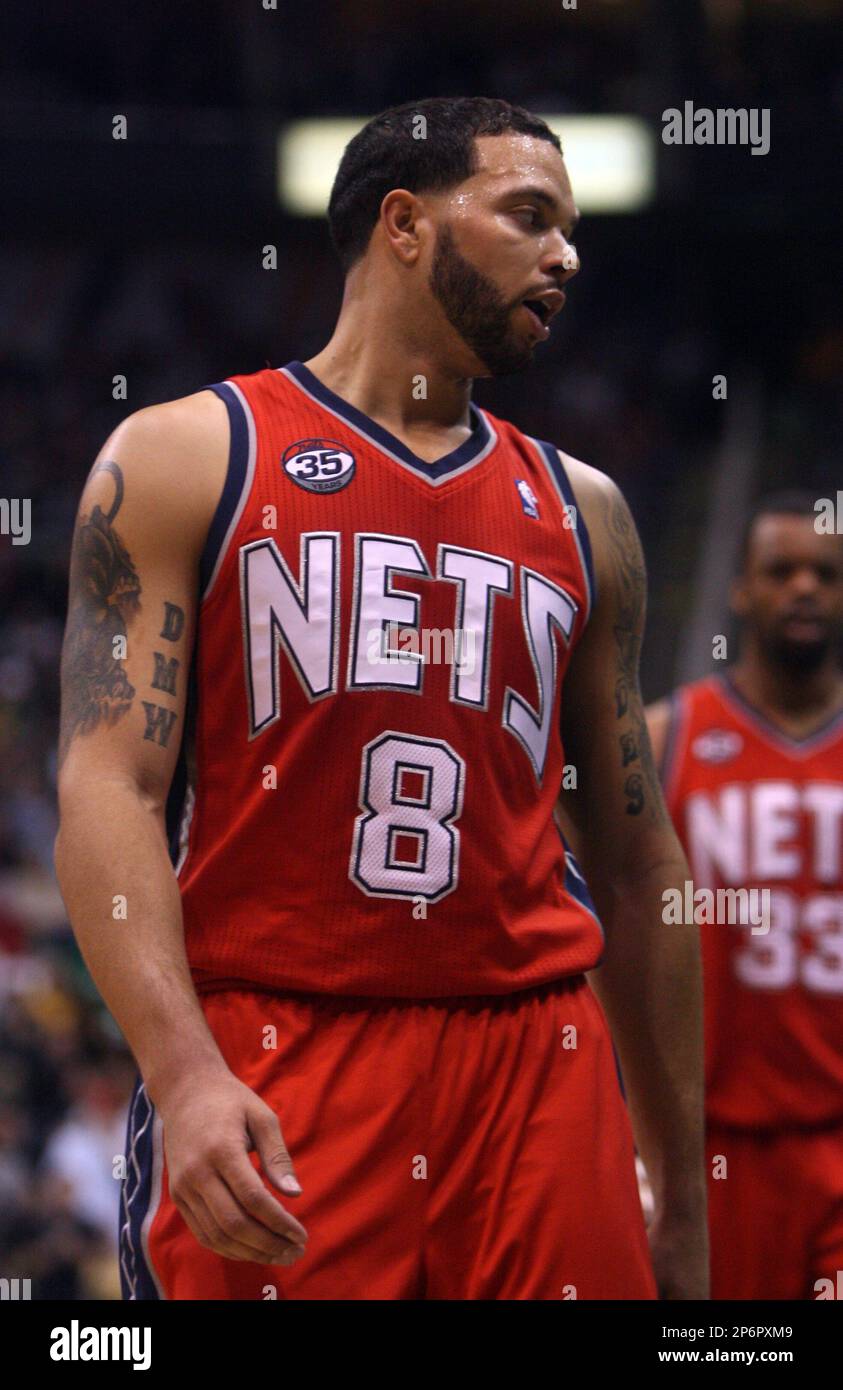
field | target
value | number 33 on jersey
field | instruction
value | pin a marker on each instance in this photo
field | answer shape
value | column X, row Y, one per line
column 756, row 808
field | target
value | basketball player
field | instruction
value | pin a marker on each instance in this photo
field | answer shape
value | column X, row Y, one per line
column 753, row 775
column 314, row 869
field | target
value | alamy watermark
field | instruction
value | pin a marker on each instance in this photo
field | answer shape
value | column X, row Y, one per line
column 690, row 906
column 700, row 125
column 79, row 1342
column 15, row 1290
column 829, row 518
column 16, row 519
column 433, row 646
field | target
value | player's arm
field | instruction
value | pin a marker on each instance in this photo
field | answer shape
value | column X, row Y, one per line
column 657, row 716
column 141, row 525
column 649, row 979
column 658, row 725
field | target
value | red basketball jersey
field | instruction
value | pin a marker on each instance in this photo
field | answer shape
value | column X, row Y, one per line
column 756, row 808
column 373, row 754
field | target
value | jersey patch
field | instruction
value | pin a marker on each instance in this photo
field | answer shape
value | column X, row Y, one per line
column 319, row 465
column 717, row 746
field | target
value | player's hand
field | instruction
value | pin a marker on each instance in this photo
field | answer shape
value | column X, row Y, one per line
column 679, row 1251
column 209, row 1132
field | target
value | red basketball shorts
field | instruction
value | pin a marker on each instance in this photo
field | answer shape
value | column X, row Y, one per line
column 461, row 1149
column 776, row 1219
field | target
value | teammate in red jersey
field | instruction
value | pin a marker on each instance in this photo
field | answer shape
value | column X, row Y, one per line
column 753, row 776
column 308, row 838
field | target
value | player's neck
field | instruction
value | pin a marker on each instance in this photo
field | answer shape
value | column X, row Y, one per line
column 404, row 394
column 393, row 376
column 799, row 698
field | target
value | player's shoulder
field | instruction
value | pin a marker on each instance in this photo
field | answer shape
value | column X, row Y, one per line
column 165, row 466
column 595, row 491
column 686, row 693
column 586, row 481
column 659, row 716
column 686, row 701
column 173, row 430
column 613, row 538
column 659, row 712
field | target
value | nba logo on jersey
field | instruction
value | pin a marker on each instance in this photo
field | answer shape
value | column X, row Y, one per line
column 528, row 498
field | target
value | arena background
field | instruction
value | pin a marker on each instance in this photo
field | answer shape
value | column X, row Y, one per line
column 143, row 258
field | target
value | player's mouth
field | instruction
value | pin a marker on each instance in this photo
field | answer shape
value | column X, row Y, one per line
column 541, row 308
column 804, row 625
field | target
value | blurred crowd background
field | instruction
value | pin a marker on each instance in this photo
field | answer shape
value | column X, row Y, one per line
column 144, row 259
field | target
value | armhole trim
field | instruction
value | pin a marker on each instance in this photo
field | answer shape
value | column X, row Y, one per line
column 579, row 531
column 181, row 799
column 575, row 881
column 238, row 483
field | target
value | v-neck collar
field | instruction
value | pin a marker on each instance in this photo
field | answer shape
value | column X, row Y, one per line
column 472, row 451
column 794, row 743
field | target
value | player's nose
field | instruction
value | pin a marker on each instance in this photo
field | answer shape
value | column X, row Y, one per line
column 562, row 260
column 805, row 581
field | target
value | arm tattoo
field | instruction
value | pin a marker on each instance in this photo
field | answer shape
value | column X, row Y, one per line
column 164, row 677
column 160, row 721
column 641, row 786
column 104, row 598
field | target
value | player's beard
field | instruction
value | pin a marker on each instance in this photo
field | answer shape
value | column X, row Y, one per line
column 475, row 307
column 796, row 657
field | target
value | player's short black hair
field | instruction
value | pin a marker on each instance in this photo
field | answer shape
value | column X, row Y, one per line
column 789, row 502
column 389, row 153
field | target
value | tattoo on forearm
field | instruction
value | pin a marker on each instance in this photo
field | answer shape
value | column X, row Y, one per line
column 629, row 749
column 641, row 787
column 104, row 599
column 165, row 673
column 164, row 677
column 634, row 789
column 159, row 723
column 173, row 622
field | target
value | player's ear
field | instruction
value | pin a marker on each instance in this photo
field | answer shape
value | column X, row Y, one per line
column 400, row 215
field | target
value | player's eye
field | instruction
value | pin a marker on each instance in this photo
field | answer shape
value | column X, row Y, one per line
column 530, row 213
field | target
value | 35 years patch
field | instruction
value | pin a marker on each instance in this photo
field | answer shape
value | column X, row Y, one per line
column 319, row 465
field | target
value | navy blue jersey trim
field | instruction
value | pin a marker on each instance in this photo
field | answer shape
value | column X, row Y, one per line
column 178, row 787
column 136, row 1281
column 477, row 441
column 619, row 1071
column 238, row 458
column 580, row 530
column 800, row 742
column 575, row 884
column 175, row 804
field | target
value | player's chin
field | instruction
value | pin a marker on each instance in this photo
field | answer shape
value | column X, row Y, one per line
column 805, row 655
column 515, row 355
